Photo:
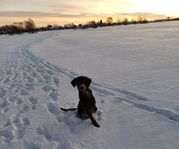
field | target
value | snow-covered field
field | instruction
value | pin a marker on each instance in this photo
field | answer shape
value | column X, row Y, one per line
column 135, row 73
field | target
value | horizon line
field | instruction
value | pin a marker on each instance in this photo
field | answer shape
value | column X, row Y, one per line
column 73, row 18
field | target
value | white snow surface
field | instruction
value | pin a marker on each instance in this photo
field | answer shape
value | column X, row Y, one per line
column 135, row 80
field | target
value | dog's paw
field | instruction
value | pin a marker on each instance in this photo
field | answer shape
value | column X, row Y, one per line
column 99, row 115
column 96, row 124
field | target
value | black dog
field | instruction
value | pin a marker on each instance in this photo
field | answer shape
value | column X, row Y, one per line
column 87, row 103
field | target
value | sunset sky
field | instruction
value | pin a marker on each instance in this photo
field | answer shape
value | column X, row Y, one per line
column 80, row 11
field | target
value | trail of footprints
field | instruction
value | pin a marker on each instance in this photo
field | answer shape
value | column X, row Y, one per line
column 22, row 75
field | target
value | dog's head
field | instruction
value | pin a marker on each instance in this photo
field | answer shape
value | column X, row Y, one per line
column 81, row 82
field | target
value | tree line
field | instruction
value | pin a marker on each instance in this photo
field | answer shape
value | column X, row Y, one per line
column 19, row 27
column 30, row 27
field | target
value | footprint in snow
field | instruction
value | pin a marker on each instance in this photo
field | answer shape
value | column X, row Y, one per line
column 6, row 136
column 47, row 88
column 33, row 102
column 56, row 81
column 50, row 134
column 19, row 124
column 2, row 92
column 24, row 92
column 99, row 115
column 31, row 145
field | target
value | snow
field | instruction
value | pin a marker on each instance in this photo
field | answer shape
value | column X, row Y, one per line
column 134, row 70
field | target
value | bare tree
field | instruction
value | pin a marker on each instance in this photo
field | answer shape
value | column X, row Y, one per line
column 109, row 20
column 125, row 21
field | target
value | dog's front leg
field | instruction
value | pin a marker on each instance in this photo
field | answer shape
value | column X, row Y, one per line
column 92, row 119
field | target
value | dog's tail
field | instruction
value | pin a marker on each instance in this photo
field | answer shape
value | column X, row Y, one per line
column 71, row 109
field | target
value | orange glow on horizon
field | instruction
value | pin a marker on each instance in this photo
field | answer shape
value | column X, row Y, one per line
column 44, row 21
column 57, row 12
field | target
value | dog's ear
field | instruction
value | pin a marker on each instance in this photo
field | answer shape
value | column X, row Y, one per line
column 81, row 79
column 74, row 82
column 88, row 81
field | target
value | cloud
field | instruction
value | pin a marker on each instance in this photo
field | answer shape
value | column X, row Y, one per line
column 65, row 15
column 67, row 8
column 142, row 14
column 37, row 14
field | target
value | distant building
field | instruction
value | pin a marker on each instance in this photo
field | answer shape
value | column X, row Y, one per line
column 29, row 24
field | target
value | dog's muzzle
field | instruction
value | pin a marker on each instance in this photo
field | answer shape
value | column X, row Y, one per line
column 82, row 87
